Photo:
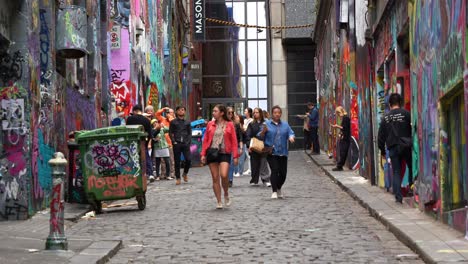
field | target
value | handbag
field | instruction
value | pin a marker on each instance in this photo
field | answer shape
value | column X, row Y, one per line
column 256, row 145
column 212, row 154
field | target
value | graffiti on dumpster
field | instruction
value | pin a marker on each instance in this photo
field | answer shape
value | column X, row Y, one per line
column 112, row 158
column 112, row 186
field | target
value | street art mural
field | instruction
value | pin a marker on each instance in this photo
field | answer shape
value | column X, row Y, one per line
column 364, row 73
column 43, row 98
column 439, row 109
column 113, row 166
column 14, row 158
column 121, row 86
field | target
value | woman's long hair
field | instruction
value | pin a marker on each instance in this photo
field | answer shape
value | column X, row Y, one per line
column 260, row 112
column 222, row 109
column 341, row 111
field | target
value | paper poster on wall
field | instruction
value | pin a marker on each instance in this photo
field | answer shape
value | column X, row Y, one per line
column 12, row 114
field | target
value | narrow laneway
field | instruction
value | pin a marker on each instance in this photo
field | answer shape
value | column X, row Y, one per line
column 316, row 222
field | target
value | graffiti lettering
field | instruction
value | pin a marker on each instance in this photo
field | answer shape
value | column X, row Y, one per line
column 11, row 68
column 56, row 207
column 44, row 45
column 108, row 193
column 113, row 183
column 109, row 157
column 451, row 63
column 116, row 76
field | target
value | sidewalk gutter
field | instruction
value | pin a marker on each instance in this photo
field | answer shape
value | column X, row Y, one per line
column 98, row 252
column 432, row 240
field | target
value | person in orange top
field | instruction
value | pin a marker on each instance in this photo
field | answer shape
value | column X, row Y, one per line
column 220, row 137
column 165, row 121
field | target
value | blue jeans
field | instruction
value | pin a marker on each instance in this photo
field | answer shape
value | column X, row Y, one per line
column 149, row 164
column 396, row 167
column 231, row 169
column 242, row 159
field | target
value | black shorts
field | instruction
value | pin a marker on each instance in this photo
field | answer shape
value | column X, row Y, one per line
column 222, row 157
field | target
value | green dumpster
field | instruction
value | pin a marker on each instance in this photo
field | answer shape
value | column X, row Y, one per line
column 113, row 164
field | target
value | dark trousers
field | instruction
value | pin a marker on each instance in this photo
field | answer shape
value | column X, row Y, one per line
column 344, row 147
column 178, row 150
column 255, row 164
column 279, row 169
column 149, row 162
column 167, row 160
column 397, row 162
column 314, row 139
column 307, row 139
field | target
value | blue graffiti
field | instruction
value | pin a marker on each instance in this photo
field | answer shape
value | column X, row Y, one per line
column 44, row 171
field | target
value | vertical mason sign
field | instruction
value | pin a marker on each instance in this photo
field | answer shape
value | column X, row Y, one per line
column 199, row 20
column 115, row 37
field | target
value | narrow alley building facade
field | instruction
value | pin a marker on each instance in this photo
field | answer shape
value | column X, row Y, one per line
column 75, row 65
column 367, row 50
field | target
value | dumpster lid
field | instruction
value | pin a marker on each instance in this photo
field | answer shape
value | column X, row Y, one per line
column 113, row 131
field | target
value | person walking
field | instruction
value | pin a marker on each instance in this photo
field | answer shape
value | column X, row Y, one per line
column 276, row 134
column 220, row 137
column 238, row 171
column 137, row 118
column 180, row 132
column 265, row 171
column 234, row 167
column 160, row 147
column 345, row 137
column 305, row 129
column 248, row 113
column 313, row 128
column 252, row 132
column 164, row 116
column 395, row 134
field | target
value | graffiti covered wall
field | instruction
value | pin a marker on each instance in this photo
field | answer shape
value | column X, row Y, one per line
column 437, row 70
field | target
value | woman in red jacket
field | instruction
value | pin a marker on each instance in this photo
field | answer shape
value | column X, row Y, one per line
column 220, row 138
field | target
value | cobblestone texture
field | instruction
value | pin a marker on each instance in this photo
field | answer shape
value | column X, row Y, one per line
column 317, row 222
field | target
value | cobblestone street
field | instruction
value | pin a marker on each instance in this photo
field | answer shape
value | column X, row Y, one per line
column 317, row 222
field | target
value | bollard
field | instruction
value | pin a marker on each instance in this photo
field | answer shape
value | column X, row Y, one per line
column 57, row 239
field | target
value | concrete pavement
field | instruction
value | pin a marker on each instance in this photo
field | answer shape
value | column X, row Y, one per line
column 24, row 241
column 432, row 240
column 316, row 223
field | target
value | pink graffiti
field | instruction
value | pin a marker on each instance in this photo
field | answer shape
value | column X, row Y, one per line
column 112, row 183
column 56, row 207
column 123, row 94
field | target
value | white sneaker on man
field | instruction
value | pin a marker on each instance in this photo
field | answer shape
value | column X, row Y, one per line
column 151, row 178
column 237, row 174
column 274, row 195
column 268, row 184
column 280, row 194
column 247, row 172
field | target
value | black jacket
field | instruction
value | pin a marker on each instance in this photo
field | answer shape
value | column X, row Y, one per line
column 140, row 120
column 252, row 130
column 394, row 125
column 239, row 134
column 346, row 130
column 180, row 131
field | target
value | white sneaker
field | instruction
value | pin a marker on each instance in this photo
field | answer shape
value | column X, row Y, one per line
column 227, row 201
column 219, row 206
column 268, row 184
column 280, row 194
column 247, row 172
column 237, row 174
column 151, row 178
column 274, row 195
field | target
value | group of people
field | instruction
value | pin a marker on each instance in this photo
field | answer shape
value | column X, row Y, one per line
column 169, row 137
column 225, row 148
column 227, row 144
column 394, row 135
